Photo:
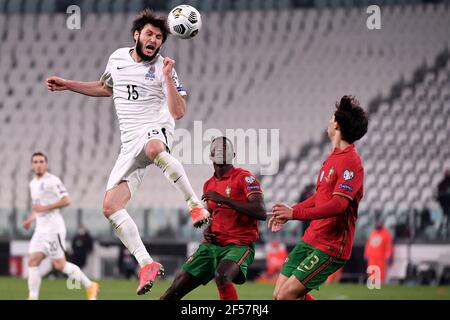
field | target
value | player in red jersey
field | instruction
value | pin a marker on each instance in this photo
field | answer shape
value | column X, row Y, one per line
column 327, row 243
column 235, row 200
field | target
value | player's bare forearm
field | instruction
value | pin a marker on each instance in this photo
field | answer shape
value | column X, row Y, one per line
column 61, row 203
column 255, row 208
column 31, row 217
column 176, row 103
column 93, row 89
column 26, row 224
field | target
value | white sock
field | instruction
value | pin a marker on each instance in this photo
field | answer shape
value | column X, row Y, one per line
column 127, row 231
column 73, row 271
column 34, row 283
column 174, row 172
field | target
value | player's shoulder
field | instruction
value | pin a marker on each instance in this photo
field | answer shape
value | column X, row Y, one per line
column 355, row 159
column 244, row 174
column 120, row 53
column 32, row 182
column 158, row 61
column 352, row 158
column 53, row 178
column 207, row 181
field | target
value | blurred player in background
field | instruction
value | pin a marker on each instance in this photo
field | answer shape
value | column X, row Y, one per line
column 379, row 248
column 327, row 243
column 276, row 255
column 148, row 97
column 49, row 195
column 234, row 197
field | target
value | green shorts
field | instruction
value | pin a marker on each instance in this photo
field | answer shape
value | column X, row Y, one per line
column 310, row 265
column 203, row 263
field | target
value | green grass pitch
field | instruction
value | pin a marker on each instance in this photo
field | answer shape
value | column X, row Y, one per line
column 16, row 289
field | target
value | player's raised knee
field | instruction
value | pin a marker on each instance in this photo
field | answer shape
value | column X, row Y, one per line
column 59, row 265
column 34, row 261
column 154, row 148
column 108, row 208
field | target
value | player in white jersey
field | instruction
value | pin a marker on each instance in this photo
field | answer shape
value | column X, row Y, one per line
column 48, row 195
column 148, row 97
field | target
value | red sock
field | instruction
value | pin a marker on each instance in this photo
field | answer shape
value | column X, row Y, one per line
column 309, row 297
column 227, row 292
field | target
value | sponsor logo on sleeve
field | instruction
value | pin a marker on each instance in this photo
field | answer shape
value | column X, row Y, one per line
column 348, row 175
column 253, row 187
column 346, row 187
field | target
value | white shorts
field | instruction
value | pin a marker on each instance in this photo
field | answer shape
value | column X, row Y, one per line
column 51, row 244
column 132, row 161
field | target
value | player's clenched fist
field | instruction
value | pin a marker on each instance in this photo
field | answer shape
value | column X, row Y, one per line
column 168, row 66
column 56, row 84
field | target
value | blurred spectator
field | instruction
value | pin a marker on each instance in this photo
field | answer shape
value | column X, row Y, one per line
column 307, row 192
column 424, row 218
column 443, row 197
column 379, row 247
column 127, row 263
column 402, row 227
column 82, row 245
column 276, row 255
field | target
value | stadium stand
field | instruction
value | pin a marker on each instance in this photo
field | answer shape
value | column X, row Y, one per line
column 285, row 70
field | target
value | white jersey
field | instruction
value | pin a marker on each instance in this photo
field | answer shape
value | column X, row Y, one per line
column 46, row 190
column 139, row 92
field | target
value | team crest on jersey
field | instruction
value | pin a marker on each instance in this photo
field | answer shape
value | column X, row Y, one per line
column 150, row 75
column 228, row 191
column 348, row 175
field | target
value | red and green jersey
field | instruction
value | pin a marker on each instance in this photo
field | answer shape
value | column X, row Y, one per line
column 342, row 174
column 227, row 224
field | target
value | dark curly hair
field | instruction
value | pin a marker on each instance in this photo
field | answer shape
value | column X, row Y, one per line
column 352, row 119
column 147, row 16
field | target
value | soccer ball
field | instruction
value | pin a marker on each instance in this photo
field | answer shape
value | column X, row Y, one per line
column 184, row 21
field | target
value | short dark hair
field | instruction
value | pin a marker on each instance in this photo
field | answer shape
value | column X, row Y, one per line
column 39, row 154
column 352, row 119
column 147, row 16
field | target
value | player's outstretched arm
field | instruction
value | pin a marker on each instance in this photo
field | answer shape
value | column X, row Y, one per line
column 93, row 89
column 336, row 206
column 176, row 103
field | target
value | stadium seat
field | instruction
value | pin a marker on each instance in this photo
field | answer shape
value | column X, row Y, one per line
column 240, row 84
